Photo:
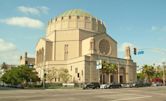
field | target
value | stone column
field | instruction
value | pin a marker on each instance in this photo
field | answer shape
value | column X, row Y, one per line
column 36, row 60
column 118, row 72
column 42, row 55
column 128, row 58
column 92, row 45
column 54, row 48
column 127, row 72
column 53, row 51
column 39, row 56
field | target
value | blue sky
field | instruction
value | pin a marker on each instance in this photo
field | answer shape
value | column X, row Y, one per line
column 138, row 23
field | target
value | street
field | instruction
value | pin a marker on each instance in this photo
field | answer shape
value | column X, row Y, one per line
column 124, row 94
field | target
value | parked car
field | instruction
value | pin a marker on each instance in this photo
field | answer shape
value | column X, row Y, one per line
column 114, row 85
column 92, row 85
column 156, row 84
column 128, row 85
column 19, row 86
column 104, row 86
column 141, row 84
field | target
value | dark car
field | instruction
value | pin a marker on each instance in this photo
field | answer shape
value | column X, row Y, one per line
column 141, row 84
column 114, row 85
column 92, row 85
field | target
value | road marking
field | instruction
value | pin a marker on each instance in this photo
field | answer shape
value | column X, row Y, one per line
column 131, row 98
column 47, row 94
column 154, row 93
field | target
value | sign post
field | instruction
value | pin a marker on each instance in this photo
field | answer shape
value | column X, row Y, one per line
column 98, row 64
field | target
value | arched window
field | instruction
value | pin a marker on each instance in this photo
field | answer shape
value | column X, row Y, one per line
column 78, row 17
column 92, row 44
column 65, row 51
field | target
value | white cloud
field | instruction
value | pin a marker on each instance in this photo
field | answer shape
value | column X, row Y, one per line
column 43, row 9
column 23, row 22
column 33, row 10
column 8, row 52
column 125, row 44
column 5, row 46
column 160, row 61
column 158, row 28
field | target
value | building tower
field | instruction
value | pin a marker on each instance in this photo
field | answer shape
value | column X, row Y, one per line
column 127, row 53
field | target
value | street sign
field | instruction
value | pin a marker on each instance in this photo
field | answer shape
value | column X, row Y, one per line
column 140, row 52
column 98, row 64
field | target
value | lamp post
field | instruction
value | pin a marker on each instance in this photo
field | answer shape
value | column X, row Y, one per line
column 44, row 68
column 163, row 73
column 44, row 77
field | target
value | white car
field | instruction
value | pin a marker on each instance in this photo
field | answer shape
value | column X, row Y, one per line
column 103, row 86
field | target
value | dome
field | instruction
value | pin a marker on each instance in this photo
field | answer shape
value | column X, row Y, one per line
column 75, row 12
column 76, row 19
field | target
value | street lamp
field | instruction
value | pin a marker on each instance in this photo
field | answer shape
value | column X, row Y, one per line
column 163, row 73
column 43, row 82
column 44, row 68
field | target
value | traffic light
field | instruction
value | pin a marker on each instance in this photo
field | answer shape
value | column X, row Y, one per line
column 135, row 51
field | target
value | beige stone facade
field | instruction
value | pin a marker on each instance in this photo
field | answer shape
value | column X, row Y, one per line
column 25, row 60
column 75, row 40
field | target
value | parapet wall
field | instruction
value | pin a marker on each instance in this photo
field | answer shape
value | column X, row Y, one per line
column 76, row 22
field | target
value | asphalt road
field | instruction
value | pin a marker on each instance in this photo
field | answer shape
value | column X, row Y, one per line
column 124, row 94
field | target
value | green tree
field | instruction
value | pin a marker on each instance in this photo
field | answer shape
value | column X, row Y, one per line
column 111, row 69
column 140, row 76
column 11, row 77
column 148, row 72
column 64, row 75
column 158, row 72
column 103, row 70
column 108, row 68
column 51, row 74
column 20, row 75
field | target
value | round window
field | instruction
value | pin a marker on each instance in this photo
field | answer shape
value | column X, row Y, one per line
column 104, row 46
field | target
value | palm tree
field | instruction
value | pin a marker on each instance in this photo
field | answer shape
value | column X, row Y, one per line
column 111, row 69
column 108, row 68
column 148, row 72
column 103, row 70
column 158, row 72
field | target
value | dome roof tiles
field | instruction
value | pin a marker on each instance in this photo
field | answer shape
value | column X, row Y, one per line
column 75, row 12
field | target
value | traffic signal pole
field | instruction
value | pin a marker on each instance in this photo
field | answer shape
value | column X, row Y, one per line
column 154, row 49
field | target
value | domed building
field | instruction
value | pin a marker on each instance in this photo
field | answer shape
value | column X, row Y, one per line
column 77, row 41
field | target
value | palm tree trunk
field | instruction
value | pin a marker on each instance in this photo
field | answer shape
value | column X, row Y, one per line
column 109, row 78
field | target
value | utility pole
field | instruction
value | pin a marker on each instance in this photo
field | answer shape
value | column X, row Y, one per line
column 163, row 73
column 44, row 77
column 44, row 69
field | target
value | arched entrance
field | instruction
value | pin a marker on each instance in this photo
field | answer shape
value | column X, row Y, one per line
column 111, row 78
column 121, row 79
column 102, row 79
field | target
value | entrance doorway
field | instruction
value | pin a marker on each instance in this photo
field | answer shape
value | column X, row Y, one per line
column 121, row 79
column 102, row 79
column 111, row 78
